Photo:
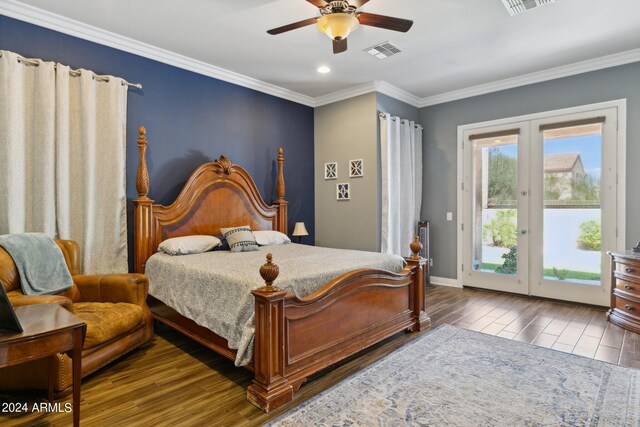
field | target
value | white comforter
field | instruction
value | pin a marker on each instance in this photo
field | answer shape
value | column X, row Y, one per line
column 214, row 288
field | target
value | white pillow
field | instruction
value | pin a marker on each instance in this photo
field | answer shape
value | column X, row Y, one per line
column 189, row 245
column 270, row 237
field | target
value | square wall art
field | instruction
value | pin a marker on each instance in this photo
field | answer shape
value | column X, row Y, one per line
column 356, row 168
column 343, row 192
column 331, row 170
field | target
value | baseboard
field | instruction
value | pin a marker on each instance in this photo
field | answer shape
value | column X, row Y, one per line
column 445, row 281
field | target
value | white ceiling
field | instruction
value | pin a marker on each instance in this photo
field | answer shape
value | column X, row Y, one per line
column 454, row 44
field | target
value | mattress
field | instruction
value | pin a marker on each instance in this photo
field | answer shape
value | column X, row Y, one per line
column 214, row 288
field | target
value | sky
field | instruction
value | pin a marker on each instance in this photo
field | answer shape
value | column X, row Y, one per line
column 589, row 147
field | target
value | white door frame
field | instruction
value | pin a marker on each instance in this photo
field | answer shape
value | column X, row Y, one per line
column 621, row 134
column 517, row 283
column 571, row 289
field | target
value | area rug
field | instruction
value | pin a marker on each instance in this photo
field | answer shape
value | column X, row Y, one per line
column 455, row 377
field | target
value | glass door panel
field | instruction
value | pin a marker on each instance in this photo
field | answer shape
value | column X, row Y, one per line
column 573, row 205
column 495, row 219
column 494, row 245
column 572, row 216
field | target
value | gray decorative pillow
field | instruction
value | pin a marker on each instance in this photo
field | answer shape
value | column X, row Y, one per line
column 240, row 239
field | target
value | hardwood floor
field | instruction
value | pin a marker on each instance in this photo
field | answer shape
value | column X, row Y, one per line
column 178, row 382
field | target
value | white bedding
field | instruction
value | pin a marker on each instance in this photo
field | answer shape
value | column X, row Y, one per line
column 214, row 288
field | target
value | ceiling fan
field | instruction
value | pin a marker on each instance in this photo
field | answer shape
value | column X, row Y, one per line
column 339, row 18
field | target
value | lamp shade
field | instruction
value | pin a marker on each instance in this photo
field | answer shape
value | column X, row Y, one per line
column 300, row 230
column 338, row 25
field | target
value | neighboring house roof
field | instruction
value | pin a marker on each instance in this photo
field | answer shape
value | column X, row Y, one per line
column 561, row 162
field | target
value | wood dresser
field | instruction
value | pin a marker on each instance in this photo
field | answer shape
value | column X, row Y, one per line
column 625, row 290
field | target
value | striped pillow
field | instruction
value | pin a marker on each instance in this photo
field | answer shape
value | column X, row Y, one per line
column 240, row 239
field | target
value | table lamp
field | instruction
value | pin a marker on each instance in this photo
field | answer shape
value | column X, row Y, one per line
column 299, row 231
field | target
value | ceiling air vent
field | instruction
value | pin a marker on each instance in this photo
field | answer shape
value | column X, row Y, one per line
column 515, row 7
column 383, row 50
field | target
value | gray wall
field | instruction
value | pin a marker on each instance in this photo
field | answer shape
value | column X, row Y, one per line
column 440, row 132
column 344, row 131
column 387, row 104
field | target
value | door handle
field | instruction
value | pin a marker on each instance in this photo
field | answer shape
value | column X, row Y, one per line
column 523, row 232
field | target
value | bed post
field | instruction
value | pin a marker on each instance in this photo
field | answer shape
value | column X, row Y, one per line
column 281, row 221
column 142, row 209
column 270, row 388
column 422, row 320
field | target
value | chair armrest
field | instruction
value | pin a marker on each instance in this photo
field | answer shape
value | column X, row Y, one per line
column 130, row 288
column 22, row 300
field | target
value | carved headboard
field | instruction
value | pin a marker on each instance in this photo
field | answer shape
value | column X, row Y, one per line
column 218, row 194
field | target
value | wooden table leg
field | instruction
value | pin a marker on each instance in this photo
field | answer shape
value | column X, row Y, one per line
column 51, row 369
column 77, row 374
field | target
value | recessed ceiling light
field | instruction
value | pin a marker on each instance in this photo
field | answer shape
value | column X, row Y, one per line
column 324, row 69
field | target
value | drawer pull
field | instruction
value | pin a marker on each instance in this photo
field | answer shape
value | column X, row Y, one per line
column 628, row 269
column 627, row 287
column 628, row 307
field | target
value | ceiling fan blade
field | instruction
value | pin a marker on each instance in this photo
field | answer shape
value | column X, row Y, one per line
column 358, row 3
column 339, row 46
column 293, row 26
column 386, row 22
column 318, row 3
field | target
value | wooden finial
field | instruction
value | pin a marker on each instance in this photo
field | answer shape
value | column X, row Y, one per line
column 223, row 165
column 280, row 183
column 416, row 247
column 142, row 179
column 269, row 272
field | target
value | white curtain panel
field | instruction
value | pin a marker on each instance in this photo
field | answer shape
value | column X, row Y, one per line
column 401, row 160
column 62, row 159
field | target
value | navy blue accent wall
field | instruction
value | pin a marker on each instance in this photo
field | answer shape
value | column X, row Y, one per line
column 190, row 119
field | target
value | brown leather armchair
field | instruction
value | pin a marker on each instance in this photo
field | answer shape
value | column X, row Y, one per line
column 113, row 307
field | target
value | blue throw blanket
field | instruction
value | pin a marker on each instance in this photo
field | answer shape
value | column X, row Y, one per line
column 40, row 263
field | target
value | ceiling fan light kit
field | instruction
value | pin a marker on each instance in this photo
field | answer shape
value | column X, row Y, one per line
column 340, row 18
column 338, row 26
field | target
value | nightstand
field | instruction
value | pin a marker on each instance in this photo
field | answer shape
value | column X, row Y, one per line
column 49, row 329
column 625, row 290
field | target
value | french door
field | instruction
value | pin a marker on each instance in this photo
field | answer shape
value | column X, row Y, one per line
column 539, row 205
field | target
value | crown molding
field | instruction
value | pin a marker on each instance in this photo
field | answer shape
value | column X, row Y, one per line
column 52, row 21
column 42, row 18
column 608, row 61
column 399, row 94
column 341, row 95
column 362, row 89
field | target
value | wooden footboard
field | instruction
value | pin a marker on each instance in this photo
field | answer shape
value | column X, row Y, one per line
column 296, row 337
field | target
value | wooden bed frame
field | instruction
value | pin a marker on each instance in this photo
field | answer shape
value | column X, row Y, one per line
column 294, row 337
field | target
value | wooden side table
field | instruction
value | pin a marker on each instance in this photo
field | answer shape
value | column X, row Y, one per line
column 49, row 329
column 625, row 290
